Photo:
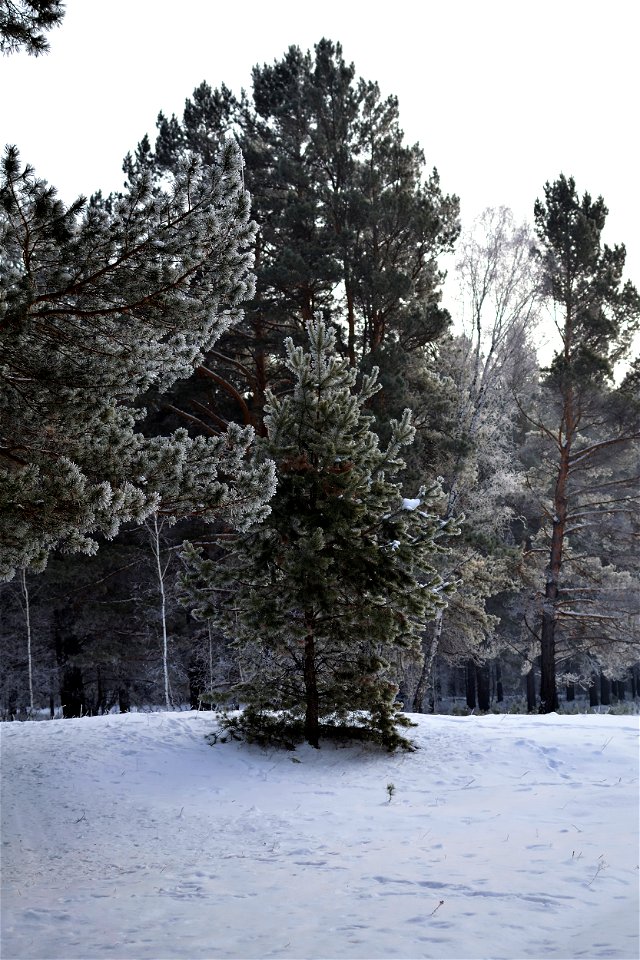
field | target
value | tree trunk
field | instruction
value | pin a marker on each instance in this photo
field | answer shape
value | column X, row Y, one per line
column 124, row 699
column 429, row 650
column 71, row 681
column 259, row 353
column 101, row 695
column 312, row 701
column 210, row 691
column 471, row 684
column 72, row 692
column 594, row 689
column 531, row 691
column 377, row 331
column 195, row 685
column 156, row 549
column 260, row 399
column 435, row 690
column 548, row 689
column 483, row 681
column 351, row 326
column 306, row 302
column 12, row 703
column 27, row 617
column 605, row 690
column 571, row 692
column 499, row 684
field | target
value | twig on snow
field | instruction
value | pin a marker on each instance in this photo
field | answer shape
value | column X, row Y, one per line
column 437, row 908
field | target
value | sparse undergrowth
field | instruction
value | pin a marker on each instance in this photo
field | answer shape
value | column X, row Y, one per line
column 286, row 730
column 517, row 707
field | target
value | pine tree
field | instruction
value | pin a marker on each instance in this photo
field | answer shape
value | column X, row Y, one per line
column 341, row 572
column 22, row 23
column 101, row 303
column 348, row 223
column 596, row 314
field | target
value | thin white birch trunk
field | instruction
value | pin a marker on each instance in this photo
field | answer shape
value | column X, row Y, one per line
column 210, row 657
column 427, row 664
column 27, row 616
column 163, row 611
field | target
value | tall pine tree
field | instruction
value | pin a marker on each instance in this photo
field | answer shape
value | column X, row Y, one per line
column 595, row 313
column 348, row 222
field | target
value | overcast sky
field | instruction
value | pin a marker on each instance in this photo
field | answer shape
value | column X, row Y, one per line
column 502, row 96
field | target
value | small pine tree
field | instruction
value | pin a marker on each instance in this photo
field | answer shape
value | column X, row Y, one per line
column 340, row 572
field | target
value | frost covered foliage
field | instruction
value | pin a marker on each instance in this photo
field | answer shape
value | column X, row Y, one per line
column 23, row 24
column 339, row 574
column 351, row 219
column 471, row 429
column 99, row 302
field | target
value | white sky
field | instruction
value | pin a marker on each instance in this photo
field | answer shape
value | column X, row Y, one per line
column 501, row 95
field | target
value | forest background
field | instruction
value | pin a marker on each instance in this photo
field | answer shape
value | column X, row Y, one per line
column 353, row 225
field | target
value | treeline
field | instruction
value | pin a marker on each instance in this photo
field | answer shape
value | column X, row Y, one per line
column 248, row 349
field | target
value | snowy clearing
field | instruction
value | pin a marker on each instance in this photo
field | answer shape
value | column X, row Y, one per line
column 505, row 837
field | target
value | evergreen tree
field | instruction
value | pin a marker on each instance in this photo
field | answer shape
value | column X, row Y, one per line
column 100, row 303
column 595, row 314
column 23, row 22
column 348, row 223
column 338, row 575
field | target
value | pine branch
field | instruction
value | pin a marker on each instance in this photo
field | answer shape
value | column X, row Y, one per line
column 602, row 486
column 222, row 424
column 538, row 424
column 191, row 419
column 228, row 388
column 588, row 452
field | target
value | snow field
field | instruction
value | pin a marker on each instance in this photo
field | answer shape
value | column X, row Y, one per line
column 505, row 837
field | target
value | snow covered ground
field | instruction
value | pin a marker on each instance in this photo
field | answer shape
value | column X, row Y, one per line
column 506, row 836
